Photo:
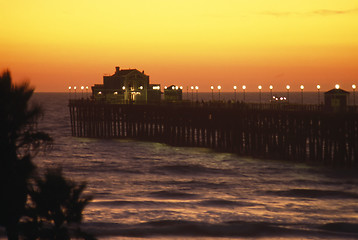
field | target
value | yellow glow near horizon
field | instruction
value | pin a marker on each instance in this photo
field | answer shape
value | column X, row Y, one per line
column 56, row 44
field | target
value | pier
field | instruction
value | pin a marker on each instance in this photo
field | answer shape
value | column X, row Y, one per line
column 303, row 133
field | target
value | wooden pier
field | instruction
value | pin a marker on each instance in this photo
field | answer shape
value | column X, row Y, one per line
column 304, row 133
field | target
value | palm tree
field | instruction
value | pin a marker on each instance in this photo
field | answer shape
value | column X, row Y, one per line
column 56, row 206
column 20, row 141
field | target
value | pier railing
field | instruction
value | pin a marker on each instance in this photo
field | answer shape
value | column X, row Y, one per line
column 305, row 133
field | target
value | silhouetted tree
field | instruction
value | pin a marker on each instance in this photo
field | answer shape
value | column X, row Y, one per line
column 19, row 142
column 55, row 208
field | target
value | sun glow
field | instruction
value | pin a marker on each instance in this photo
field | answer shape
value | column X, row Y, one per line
column 56, row 44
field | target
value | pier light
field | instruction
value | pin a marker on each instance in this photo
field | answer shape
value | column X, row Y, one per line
column 302, row 87
column 86, row 91
column 212, row 93
column 176, row 87
column 173, row 87
column 288, row 92
column 75, row 87
column 165, row 87
column 197, row 88
column 69, row 92
column 235, row 87
column 318, row 94
column 115, row 93
column 219, row 88
column 192, row 93
column 123, row 88
column 244, row 88
column 337, row 86
column 354, row 94
column 82, row 88
column 259, row 87
column 181, row 87
column 271, row 87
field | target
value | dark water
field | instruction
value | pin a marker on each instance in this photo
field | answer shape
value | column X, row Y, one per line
column 151, row 190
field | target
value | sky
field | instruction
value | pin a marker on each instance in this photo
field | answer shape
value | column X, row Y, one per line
column 56, row 44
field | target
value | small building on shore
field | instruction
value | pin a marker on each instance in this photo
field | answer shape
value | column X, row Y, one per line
column 125, row 86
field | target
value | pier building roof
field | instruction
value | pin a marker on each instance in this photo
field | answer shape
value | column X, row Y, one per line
column 336, row 91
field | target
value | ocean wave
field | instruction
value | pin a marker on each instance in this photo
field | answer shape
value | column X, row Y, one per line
column 218, row 203
column 225, row 203
column 173, row 195
column 341, row 227
column 182, row 228
column 313, row 193
column 188, row 169
column 120, row 203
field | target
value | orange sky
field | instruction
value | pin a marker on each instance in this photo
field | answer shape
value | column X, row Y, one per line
column 196, row 42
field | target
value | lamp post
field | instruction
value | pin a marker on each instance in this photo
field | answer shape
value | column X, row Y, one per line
column 124, row 93
column 243, row 89
column 86, row 91
column 219, row 88
column 75, row 90
column 187, row 93
column 212, row 93
column 69, row 92
column 82, row 88
column 197, row 88
column 318, row 94
column 288, row 93
column 271, row 87
column 260, row 87
column 192, row 93
column 302, row 87
column 354, row 94
column 235, row 92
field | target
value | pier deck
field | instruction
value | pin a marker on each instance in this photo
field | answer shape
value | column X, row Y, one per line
column 304, row 133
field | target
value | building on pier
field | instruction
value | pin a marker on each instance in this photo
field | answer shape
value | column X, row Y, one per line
column 125, row 86
column 336, row 99
column 173, row 93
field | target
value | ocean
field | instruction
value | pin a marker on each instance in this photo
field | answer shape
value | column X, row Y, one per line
column 150, row 190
